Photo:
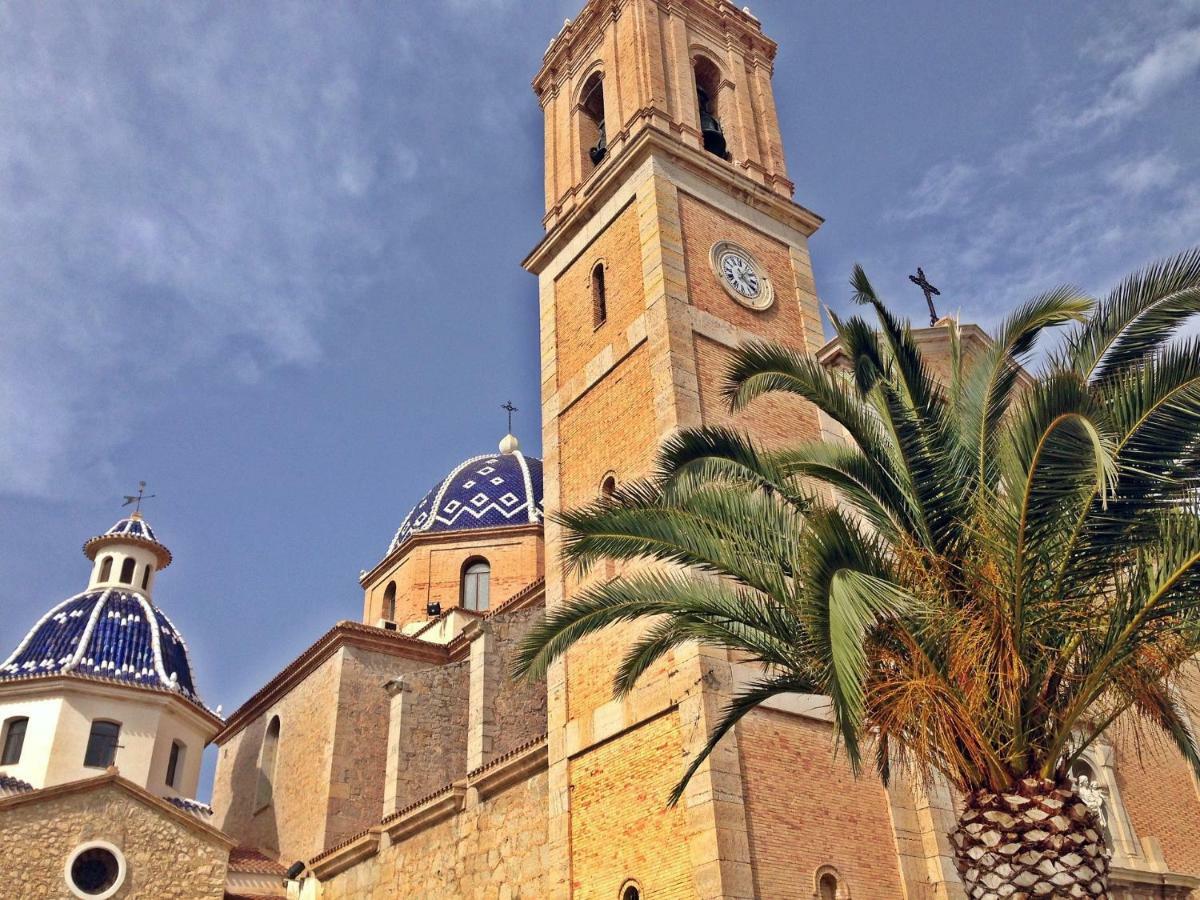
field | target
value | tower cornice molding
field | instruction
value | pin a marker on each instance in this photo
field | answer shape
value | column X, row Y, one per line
column 651, row 141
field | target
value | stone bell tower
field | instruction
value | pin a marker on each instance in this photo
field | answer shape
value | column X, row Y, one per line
column 671, row 237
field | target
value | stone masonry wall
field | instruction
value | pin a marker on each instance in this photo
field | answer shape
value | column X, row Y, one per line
column 359, row 757
column 806, row 810
column 433, row 735
column 519, row 712
column 495, row 850
column 292, row 826
column 165, row 859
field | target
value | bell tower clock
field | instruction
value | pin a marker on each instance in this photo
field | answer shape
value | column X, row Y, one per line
column 671, row 237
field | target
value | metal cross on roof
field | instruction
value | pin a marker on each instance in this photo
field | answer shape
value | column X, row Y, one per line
column 510, row 409
column 138, row 498
column 929, row 290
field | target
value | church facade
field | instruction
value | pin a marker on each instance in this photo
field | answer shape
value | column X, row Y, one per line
column 395, row 757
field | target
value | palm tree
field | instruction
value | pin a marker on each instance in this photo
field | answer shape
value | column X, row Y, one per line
column 990, row 571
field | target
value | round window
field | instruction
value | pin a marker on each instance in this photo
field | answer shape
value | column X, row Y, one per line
column 95, row 870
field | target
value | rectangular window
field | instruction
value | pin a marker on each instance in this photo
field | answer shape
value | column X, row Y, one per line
column 14, row 740
column 173, row 762
column 102, row 745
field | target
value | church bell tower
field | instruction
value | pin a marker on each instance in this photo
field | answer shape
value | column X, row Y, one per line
column 671, row 237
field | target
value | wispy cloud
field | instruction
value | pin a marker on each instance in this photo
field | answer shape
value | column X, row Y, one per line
column 1088, row 192
column 173, row 187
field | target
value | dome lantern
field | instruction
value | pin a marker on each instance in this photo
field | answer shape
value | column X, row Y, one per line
column 127, row 556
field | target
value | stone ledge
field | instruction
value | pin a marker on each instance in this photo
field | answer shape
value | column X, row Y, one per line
column 342, row 856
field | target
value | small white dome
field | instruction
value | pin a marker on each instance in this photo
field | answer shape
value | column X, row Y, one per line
column 509, row 444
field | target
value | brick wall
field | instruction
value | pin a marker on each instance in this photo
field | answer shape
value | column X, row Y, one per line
column 165, row 859
column 806, row 810
column 621, row 826
column 432, row 570
column 1160, row 795
column 579, row 339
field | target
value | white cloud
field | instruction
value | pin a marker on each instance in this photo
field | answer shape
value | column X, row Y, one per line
column 945, row 187
column 1166, row 64
column 172, row 181
column 1140, row 174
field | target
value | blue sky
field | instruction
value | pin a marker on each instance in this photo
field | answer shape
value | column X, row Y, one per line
column 267, row 257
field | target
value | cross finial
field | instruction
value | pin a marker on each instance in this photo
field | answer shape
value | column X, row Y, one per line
column 929, row 290
column 508, row 407
column 137, row 498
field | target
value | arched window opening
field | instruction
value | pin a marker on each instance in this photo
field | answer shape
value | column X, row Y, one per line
column 631, row 891
column 174, row 761
column 608, row 486
column 146, row 577
column 127, row 568
column 102, row 744
column 708, row 86
column 592, row 135
column 389, row 601
column 599, row 298
column 476, row 575
column 14, row 740
column 827, row 887
column 105, row 568
column 266, row 764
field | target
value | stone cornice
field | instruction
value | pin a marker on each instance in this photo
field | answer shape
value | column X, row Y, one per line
column 113, row 778
column 653, row 141
column 344, row 634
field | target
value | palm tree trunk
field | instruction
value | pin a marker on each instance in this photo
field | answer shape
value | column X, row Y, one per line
column 1040, row 840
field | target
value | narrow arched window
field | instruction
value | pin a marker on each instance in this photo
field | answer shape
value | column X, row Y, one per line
column 708, row 86
column 389, row 601
column 827, row 887
column 593, row 137
column 14, row 740
column 266, row 764
column 174, row 761
column 476, row 575
column 127, row 568
column 631, row 891
column 599, row 298
column 146, row 577
column 608, row 486
column 105, row 568
column 102, row 744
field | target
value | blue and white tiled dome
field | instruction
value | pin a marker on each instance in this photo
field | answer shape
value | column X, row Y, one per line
column 488, row 491
column 106, row 633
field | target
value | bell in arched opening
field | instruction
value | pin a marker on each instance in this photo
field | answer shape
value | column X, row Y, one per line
column 710, row 128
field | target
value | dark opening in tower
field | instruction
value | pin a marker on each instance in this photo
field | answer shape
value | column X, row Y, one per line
column 708, row 86
column 592, row 137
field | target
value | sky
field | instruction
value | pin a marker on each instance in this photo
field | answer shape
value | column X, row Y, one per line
column 266, row 257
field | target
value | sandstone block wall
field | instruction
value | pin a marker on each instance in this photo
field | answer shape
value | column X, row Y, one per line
column 330, row 764
column 432, row 749
column 519, row 707
column 165, row 859
column 495, row 850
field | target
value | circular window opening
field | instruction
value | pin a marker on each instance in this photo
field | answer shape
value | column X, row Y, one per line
column 95, row 871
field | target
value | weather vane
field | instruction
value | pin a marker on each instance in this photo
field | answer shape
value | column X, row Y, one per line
column 138, row 497
column 930, row 292
column 508, row 407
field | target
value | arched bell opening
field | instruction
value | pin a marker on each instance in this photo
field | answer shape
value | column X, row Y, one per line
column 593, row 138
column 708, row 87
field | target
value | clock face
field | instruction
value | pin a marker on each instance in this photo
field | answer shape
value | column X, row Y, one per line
column 739, row 273
column 743, row 278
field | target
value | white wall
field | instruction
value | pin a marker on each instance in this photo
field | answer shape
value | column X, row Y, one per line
column 61, row 713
